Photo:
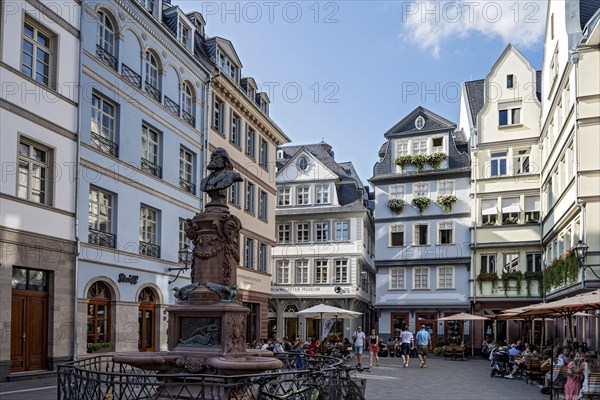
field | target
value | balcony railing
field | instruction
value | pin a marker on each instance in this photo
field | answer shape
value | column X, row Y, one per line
column 151, row 168
column 171, row 106
column 152, row 91
column 187, row 185
column 149, row 249
column 131, row 76
column 106, row 57
column 189, row 118
column 101, row 238
column 105, row 145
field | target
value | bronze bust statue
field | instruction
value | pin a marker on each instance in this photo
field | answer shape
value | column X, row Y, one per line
column 221, row 177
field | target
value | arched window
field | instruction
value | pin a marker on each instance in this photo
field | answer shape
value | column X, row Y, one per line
column 151, row 76
column 290, row 308
column 146, row 314
column 105, row 41
column 187, row 103
column 98, row 317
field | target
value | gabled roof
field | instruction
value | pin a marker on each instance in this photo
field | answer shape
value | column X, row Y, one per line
column 433, row 122
column 316, row 150
column 226, row 45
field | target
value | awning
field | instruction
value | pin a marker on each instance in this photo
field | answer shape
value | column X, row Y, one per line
column 489, row 207
column 511, row 205
column 511, row 209
column 532, row 203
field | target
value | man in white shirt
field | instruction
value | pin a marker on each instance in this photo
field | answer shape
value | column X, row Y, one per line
column 406, row 343
column 359, row 338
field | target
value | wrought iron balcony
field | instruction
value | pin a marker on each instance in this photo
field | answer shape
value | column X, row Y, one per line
column 171, row 106
column 187, row 185
column 189, row 118
column 152, row 91
column 101, row 238
column 131, row 76
column 151, row 168
column 105, row 145
column 149, row 249
column 106, row 57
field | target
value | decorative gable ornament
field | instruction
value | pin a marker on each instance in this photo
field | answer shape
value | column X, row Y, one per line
column 419, row 122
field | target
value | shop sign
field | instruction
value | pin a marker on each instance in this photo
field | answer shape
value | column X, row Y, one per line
column 131, row 279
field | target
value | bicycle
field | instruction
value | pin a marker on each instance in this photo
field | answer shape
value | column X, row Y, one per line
column 311, row 392
column 286, row 387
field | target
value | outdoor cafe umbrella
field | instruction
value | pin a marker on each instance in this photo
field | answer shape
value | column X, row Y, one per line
column 464, row 317
column 321, row 311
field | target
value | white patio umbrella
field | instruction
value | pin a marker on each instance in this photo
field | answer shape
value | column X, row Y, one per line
column 464, row 317
column 321, row 311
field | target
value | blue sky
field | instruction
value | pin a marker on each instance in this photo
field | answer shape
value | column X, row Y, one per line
column 347, row 71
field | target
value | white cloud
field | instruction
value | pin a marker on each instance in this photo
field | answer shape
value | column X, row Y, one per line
column 433, row 24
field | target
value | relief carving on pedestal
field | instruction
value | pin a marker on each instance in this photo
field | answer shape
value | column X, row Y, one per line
column 235, row 339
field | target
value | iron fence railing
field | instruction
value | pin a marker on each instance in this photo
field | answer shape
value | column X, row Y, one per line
column 100, row 378
column 152, row 91
column 101, row 238
column 131, row 76
column 105, row 145
column 151, row 168
column 149, row 249
column 171, row 106
column 106, row 57
column 189, row 118
column 187, row 185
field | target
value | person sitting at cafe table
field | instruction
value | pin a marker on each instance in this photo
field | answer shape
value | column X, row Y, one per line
column 561, row 356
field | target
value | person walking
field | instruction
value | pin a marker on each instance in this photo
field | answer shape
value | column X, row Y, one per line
column 373, row 348
column 406, row 344
column 359, row 338
column 423, row 344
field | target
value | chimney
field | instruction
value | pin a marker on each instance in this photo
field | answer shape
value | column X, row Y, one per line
column 327, row 147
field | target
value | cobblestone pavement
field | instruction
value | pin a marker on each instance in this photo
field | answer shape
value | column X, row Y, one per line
column 442, row 379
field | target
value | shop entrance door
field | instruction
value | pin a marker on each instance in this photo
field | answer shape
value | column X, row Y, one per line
column 29, row 331
column 430, row 322
column 399, row 320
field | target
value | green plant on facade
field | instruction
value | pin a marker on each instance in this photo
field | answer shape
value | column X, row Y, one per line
column 402, row 161
column 514, row 275
column 533, row 275
column 421, row 203
column 562, row 271
column 435, row 160
column 98, row 346
column 396, row 205
column 487, row 277
column 420, row 160
column 446, row 202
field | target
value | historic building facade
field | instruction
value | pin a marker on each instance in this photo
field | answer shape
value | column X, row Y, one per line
column 39, row 58
column 422, row 220
column 325, row 243
column 502, row 113
column 142, row 131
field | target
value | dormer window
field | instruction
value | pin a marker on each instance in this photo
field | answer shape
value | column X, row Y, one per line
column 148, row 5
column 227, row 66
column 251, row 93
column 264, row 106
column 183, row 33
column 509, row 81
column 420, row 122
column 279, row 154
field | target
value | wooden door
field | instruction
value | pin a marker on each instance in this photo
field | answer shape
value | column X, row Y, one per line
column 29, row 331
column 430, row 322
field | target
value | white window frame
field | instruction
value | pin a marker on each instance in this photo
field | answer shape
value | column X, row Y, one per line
column 303, row 227
column 183, row 239
column 263, row 257
column 489, row 212
column 417, row 235
column 263, row 153
column 283, row 272
column 341, row 231
column 521, row 161
column 105, row 34
column 341, row 271
column 446, row 188
column 506, row 258
column 445, row 225
column 322, row 231
column 489, row 268
column 103, row 122
column 235, row 131
column 284, row 197
column 397, row 191
column 418, row 146
column 442, row 277
column 217, row 114
column 149, row 225
column 402, row 148
column 250, row 205
column 151, row 71
column 187, row 99
column 183, row 33
column 284, row 233
column 421, row 189
column 263, row 205
column 302, row 195
column 250, row 253
column 437, row 149
column 397, row 278
column 250, row 142
column 533, row 257
column 321, row 271
column 395, row 229
column 96, row 217
column 235, row 193
column 417, row 273
column 47, row 77
column 301, row 272
column 322, row 194
column 186, row 167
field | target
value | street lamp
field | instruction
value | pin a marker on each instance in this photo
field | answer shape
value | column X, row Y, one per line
column 581, row 251
column 185, row 255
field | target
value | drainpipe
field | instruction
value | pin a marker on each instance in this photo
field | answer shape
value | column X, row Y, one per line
column 474, row 240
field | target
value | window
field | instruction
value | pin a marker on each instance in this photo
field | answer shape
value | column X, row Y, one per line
column 321, row 271
column 34, row 171
column 234, row 131
column 498, row 163
column 302, row 195
column 37, row 60
column 322, row 194
column 183, row 33
column 397, row 278
column 401, row 148
column 421, row 278
column 29, row 279
column 103, row 125
column 218, row 110
column 227, row 65
column 509, row 116
column 445, row 277
column 396, row 192
column 303, row 164
column 521, row 161
column 250, row 197
column 283, row 273
column 420, row 189
column 283, row 233
column 186, row 170
column 100, row 218
column 321, row 231
column 445, row 188
column 105, row 40
column 437, row 145
column 187, row 102
column 183, row 239
column 280, row 154
column 263, row 156
column 396, row 235
column 511, row 262
column 151, row 76
column 419, row 147
column 341, row 271
column 446, row 233
column 510, row 211
column 534, row 262
column 252, row 93
column 301, row 272
column 262, row 205
column 263, row 257
column 489, row 212
column 303, row 232
column 148, row 5
column 488, row 263
column 342, row 231
column 149, row 232
column 235, row 193
column 509, row 81
column 150, row 151
column 251, row 142
column 283, row 197
column 250, row 255
column 420, row 234
column 98, row 315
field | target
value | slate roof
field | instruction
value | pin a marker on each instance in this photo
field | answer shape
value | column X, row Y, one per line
column 587, row 9
column 320, row 154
